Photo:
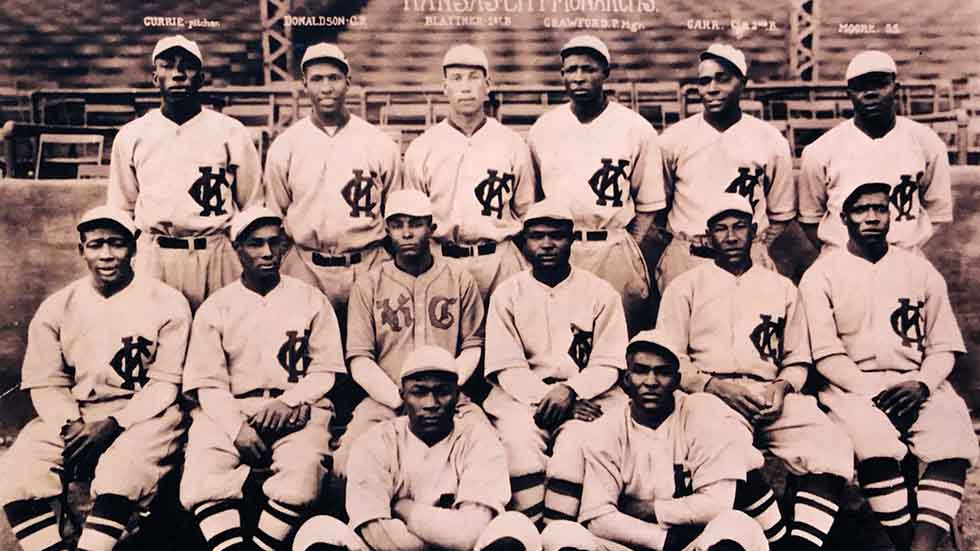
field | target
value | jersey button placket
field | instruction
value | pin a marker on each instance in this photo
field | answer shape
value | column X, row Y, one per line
column 418, row 304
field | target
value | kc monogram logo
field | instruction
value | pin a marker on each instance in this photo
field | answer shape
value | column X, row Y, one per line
column 605, row 182
column 491, row 192
column 294, row 354
column 767, row 337
column 746, row 183
column 440, row 315
column 906, row 322
column 206, row 190
column 389, row 315
column 903, row 194
column 581, row 348
column 130, row 361
column 357, row 194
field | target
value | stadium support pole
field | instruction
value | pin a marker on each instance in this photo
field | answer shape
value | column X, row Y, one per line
column 804, row 36
column 277, row 44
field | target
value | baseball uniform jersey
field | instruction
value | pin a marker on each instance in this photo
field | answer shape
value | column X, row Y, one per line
column 910, row 157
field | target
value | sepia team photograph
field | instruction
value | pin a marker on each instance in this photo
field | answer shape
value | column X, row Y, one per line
column 490, row 275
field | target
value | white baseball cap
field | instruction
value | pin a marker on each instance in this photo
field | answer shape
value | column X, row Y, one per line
column 548, row 209
column 587, row 42
column 735, row 526
column 408, row 201
column 325, row 530
column 322, row 50
column 660, row 339
column 244, row 220
column 870, row 61
column 511, row 524
column 98, row 216
column 727, row 53
column 466, row 55
column 428, row 358
column 177, row 41
column 729, row 202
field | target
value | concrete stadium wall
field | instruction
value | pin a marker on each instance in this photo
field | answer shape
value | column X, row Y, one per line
column 37, row 234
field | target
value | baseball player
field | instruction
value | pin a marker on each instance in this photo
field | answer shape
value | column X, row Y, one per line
column 184, row 171
column 742, row 337
column 264, row 352
column 412, row 300
column 477, row 172
column 103, row 366
column 884, row 336
column 876, row 146
column 663, row 469
column 327, row 176
column 555, row 340
column 722, row 151
column 424, row 481
column 604, row 160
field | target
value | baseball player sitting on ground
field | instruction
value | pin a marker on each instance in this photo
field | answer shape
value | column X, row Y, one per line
column 184, row 171
column 327, row 175
column 103, row 366
column 742, row 337
column 422, row 480
column 603, row 159
column 555, row 340
column 876, row 146
column 412, row 300
column 884, row 335
column 264, row 352
column 477, row 172
column 660, row 470
column 723, row 151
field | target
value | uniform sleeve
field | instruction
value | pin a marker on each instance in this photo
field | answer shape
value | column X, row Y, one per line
column 123, row 188
column 781, row 195
column 44, row 365
column 812, row 186
column 647, row 184
column 719, row 446
column 413, row 168
column 675, row 316
column 362, row 335
column 325, row 349
column 206, row 366
column 504, row 347
column 371, row 477
column 818, row 310
column 524, row 182
column 796, row 342
column 471, row 328
column 602, row 483
column 484, row 478
column 942, row 330
column 172, row 343
column 278, row 196
column 610, row 335
column 936, row 186
column 248, row 178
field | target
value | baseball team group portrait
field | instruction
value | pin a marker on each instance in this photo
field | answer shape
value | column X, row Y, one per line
column 512, row 288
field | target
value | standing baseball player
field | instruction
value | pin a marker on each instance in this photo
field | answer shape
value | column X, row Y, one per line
column 604, row 160
column 477, row 172
column 555, row 340
column 723, row 151
column 264, row 352
column 184, row 171
column 413, row 300
column 742, row 337
column 884, row 335
column 423, row 480
column 327, row 176
column 876, row 146
column 663, row 469
column 103, row 366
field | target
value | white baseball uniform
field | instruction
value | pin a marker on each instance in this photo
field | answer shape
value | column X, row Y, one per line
column 750, row 158
column 608, row 170
column 183, row 184
column 910, row 157
column 480, row 187
column 258, row 348
column 104, row 350
column 749, row 329
column 887, row 317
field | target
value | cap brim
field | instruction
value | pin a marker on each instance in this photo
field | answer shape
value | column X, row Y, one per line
column 261, row 221
column 104, row 223
column 326, row 59
column 178, row 47
column 714, row 217
column 584, row 50
column 659, row 348
column 727, row 62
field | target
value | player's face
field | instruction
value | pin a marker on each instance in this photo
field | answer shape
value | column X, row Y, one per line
column 326, row 84
column 108, row 252
column 869, row 218
column 178, row 75
column 262, row 249
column 650, row 381
column 720, row 89
column 430, row 402
column 548, row 243
column 873, row 95
column 731, row 237
column 467, row 89
column 583, row 76
column 409, row 234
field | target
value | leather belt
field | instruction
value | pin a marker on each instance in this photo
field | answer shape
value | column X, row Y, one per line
column 261, row 393
column 592, row 235
column 326, row 261
column 196, row 243
column 452, row 250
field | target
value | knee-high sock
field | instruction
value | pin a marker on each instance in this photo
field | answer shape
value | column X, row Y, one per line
column 276, row 523
column 562, row 500
column 755, row 498
column 105, row 523
column 814, row 510
column 35, row 525
column 221, row 524
column 528, row 495
column 939, row 496
column 885, row 489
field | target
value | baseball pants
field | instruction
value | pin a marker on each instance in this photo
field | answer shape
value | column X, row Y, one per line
column 490, row 270
column 213, row 470
column 195, row 272
column 677, row 259
column 619, row 261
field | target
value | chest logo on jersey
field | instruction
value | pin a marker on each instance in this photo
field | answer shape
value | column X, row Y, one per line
column 130, row 361
column 767, row 337
column 903, row 195
column 491, row 192
column 206, row 190
column 747, row 182
column 605, row 182
column 440, row 313
column 393, row 317
column 294, row 354
column 581, row 348
column 906, row 322
column 357, row 193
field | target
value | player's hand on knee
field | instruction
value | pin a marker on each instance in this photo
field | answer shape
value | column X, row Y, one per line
column 271, row 417
column 299, row 417
column 555, row 407
column 83, row 449
column 739, row 398
column 253, row 450
column 901, row 402
column 774, row 396
column 584, row 410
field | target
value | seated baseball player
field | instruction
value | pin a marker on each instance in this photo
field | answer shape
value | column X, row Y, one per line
column 661, row 470
column 742, row 338
column 423, row 480
column 555, row 340
column 412, row 300
column 264, row 352
column 883, row 334
column 103, row 366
